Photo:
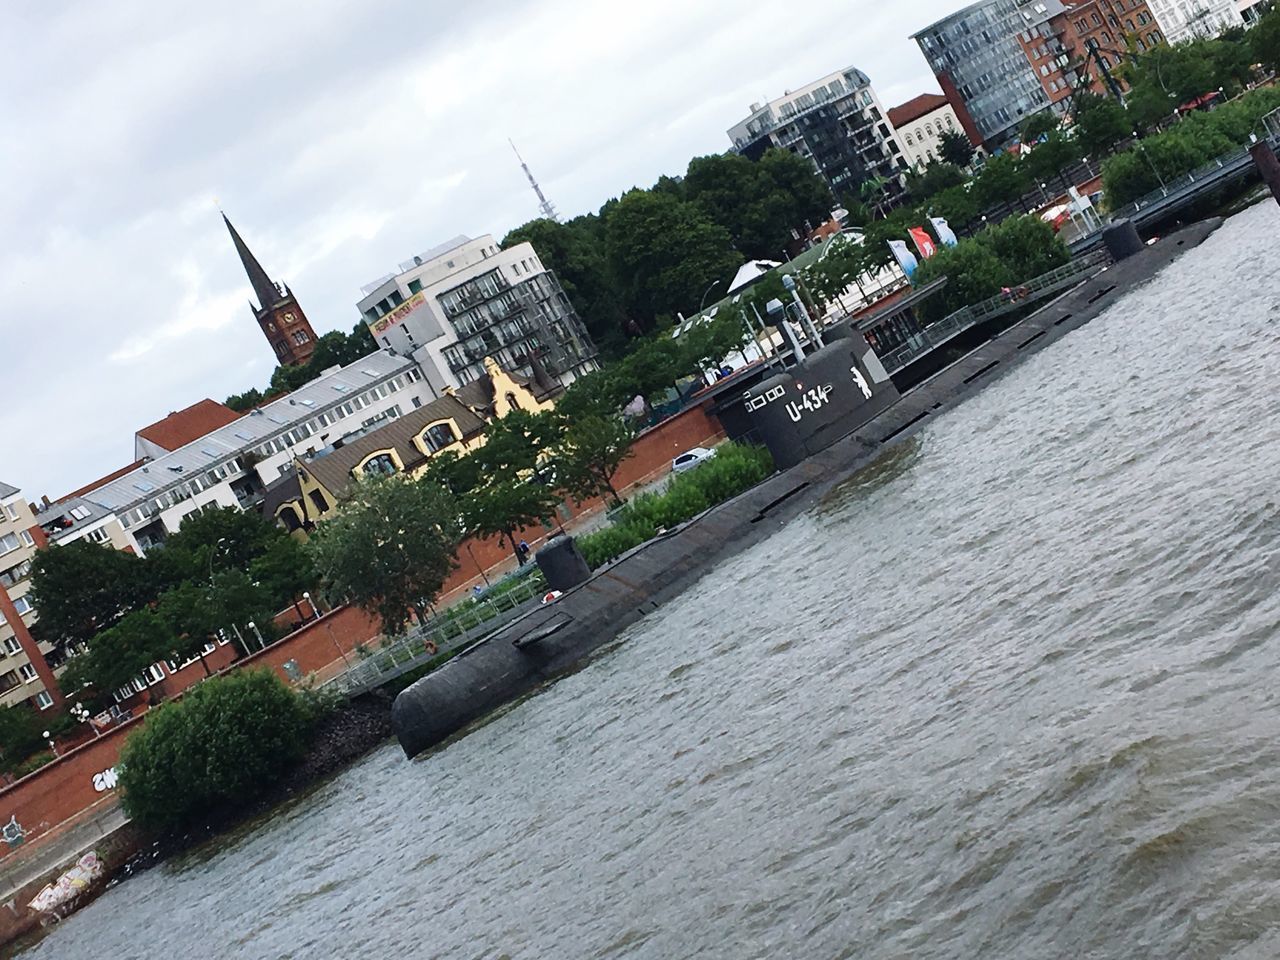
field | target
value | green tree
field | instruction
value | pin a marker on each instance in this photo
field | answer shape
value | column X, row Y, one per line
column 1264, row 40
column 1038, row 125
column 215, row 539
column 1003, row 180
column 663, row 252
column 285, row 571
column 574, row 252
column 19, row 736
column 1026, row 246
column 119, row 654
column 1049, row 159
column 955, row 148
column 389, row 549
column 228, row 741
column 1101, row 123
column 933, row 180
column 589, row 456
column 507, row 505
column 82, row 589
column 973, row 273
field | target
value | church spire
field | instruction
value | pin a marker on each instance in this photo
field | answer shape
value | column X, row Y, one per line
column 266, row 291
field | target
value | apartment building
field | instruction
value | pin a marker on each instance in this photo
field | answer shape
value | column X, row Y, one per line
column 231, row 466
column 454, row 305
column 836, row 122
column 920, row 124
column 981, row 64
column 1181, row 20
column 25, row 673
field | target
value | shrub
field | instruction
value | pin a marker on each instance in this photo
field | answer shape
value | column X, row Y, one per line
column 226, row 742
column 734, row 468
column 973, row 273
column 1027, row 246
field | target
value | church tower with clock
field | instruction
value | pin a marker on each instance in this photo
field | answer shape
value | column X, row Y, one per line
column 282, row 321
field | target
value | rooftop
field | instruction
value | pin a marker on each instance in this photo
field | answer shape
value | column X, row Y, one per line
column 915, row 108
column 263, row 423
column 6, row 490
column 426, row 256
column 184, row 426
column 113, row 475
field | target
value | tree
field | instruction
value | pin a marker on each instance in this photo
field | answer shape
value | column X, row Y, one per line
column 1049, row 159
column 226, row 742
column 1101, row 123
column 19, row 735
column 1264, row 40
column 389, row 548
column 121, row 653
column 506, row 505
column 216, row 539
column 83, row 588
column 663, row 252
column 1003, row 180
column 973, row 273
column 955, row 148
column 575, row 253
column 589, row 455
column 1026, row 246
column 284, row 570
column 1038, row 125
column 935, row 178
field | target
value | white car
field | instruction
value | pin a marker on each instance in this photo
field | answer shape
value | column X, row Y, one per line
column 690, row 459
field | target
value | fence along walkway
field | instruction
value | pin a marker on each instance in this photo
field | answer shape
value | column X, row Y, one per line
column 448, row 632
column 951, row 326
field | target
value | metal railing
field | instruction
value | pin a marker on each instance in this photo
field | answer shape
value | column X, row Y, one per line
column 1213, row 170
column 451, row 630
column 951, row 326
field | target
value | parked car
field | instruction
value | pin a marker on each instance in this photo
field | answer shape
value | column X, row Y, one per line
column 690, row 459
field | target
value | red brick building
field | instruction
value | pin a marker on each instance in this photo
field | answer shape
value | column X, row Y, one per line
column 282, row 321
column 1086, row 45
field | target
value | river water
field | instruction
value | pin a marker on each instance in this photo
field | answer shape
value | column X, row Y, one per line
column 1009, row 694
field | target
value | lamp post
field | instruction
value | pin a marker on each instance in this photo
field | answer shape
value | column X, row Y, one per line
column 262, row 644
column 315, row 614
column 81, row 713
column 52, row 746
column 711, row 286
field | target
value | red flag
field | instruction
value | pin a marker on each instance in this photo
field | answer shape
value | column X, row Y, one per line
column 924, row 242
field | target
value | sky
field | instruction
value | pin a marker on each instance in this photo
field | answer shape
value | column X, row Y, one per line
column 341, row 138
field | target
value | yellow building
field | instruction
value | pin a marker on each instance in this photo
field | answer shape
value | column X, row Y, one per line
column 455, row 421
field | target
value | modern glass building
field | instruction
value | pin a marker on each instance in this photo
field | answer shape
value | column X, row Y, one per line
column 983, row 70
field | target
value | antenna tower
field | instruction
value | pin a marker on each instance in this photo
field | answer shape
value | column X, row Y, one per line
column 545, row 206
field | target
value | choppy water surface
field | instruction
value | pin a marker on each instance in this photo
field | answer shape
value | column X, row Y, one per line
column 1011, row 694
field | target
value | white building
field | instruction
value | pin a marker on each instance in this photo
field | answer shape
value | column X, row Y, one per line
column 468, row 299
column 232, row 465
column 920, row 124
column 1251, row 11
column 1191, row 19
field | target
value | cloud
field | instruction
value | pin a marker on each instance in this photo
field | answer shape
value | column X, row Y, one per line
column 340, row 138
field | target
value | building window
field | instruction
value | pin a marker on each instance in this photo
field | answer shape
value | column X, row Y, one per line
column 438, row 436
column 43, row 700
column 300, row 337
column 382, row 465
column 28, row 672
column 27, row 538
column 319, row 502
column 12, row 510
column 8, row 543
column 22, row 605
column 12, row 646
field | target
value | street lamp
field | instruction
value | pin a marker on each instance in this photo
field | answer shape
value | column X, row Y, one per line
column 710, row 287
column 49, row 739
column 262, row 644
column 81, row 713
column 314, row 612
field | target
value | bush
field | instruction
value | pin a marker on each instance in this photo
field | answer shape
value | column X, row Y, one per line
column 734, row 468
column 226, row 742
column 1027, row 246
column 973, row 273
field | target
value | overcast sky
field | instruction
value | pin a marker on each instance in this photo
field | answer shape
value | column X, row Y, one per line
column 341, row 138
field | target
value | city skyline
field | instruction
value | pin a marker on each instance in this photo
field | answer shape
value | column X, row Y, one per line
column 338, row 149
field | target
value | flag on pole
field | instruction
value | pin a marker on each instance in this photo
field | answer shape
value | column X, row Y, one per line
column 906, row 259
column 924, row 243
column 946, row 236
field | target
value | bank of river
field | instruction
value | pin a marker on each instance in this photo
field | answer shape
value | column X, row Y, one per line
column 1006, row 694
